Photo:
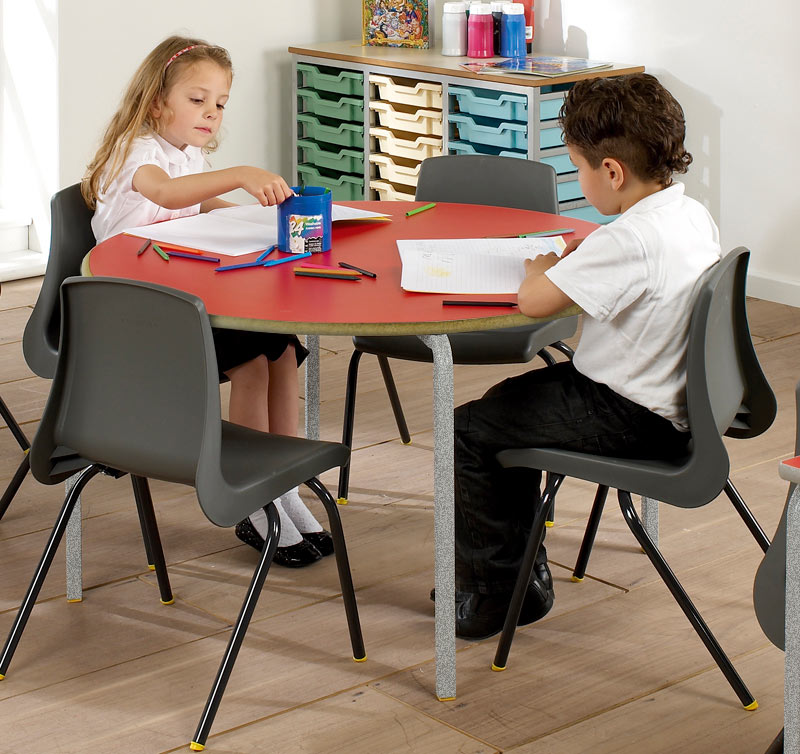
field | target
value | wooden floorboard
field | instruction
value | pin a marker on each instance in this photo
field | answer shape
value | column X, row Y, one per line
column 615, row 667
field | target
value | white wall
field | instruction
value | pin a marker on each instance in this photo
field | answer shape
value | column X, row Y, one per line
column 729, row 64
column 733, row 67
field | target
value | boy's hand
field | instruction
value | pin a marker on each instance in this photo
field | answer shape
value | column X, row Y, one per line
column 268, row 188
column 571, row 246
column 539, row 264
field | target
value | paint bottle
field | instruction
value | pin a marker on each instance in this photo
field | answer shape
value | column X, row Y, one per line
column 512, row 31
column 497, row 15
column 454, row 29
column 528, row 5
column 479, row 31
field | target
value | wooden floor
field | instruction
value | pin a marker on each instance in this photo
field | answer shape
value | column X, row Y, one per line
column 615, row 668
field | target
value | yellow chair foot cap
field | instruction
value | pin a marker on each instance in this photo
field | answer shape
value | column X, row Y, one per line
column 168, row 602
column 549, row 524
column 196, row 747
column 2, row 677
column 80, row 599
column 751, row 707
column 446, row 698
column 408, row 443
column 341, row 501
column 151, row 567
column 577, row 579
column 360, row 659
column 498, row 669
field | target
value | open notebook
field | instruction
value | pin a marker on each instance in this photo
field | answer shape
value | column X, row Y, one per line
column 233, row 230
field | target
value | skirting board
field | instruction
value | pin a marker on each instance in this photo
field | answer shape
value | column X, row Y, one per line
column 770, row 289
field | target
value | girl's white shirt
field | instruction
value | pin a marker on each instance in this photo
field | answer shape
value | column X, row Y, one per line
column 122, row 207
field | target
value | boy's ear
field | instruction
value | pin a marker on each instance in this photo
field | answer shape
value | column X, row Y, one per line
column 615, row 172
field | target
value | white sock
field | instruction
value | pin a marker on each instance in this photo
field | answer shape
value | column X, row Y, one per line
column 296, row 510
column 289, row 534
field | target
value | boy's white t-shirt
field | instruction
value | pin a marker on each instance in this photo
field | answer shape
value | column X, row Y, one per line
column 121, row 206
column 636, row 279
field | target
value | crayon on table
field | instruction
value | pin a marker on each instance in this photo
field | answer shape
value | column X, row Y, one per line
column 447, row 302
column 157, row 250
column 556, row 232
column 420, row 209
column 264, row 254
column 187, row 255
column 300, row 272
column 241, row 266
column 286, row 259
column 357, row 269
column 144, row 248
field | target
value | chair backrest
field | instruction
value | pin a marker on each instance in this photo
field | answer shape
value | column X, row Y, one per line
column 135, row 386
column 489, row 180
column 71, row 238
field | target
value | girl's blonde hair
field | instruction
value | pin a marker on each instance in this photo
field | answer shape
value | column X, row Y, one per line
column 155, row 78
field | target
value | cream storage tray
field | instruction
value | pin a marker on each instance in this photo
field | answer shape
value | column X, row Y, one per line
column 418, row 94
column 407, row 145
column 391, row 192
column 397, row 169
column 408, row 118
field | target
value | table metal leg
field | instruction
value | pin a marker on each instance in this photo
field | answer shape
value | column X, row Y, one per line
column 312, row 387
column 444, row 520
column 74, row 547
column 791, row 687
column 650, row 518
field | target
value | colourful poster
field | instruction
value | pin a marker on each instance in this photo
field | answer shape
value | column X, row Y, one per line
column 395, row 23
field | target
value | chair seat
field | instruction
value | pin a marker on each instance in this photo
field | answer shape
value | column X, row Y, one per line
column 511, row 345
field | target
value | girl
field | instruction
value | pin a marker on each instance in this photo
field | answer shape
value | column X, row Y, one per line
column 150, row 167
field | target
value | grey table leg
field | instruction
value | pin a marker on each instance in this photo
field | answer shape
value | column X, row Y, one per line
column 791, row 687
column 312, row 387
column 74, row 548
column 650, row 518
column 444, row 520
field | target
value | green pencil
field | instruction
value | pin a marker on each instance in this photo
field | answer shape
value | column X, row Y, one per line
column 556, row 232
column 160, row 253
column 420, row 209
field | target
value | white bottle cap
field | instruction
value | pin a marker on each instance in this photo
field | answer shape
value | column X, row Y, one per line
column 497, row 6
column 454, row 8
column 480, row 9
column 514, row 9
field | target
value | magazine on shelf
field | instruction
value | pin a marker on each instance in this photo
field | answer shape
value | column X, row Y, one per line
column 550, row 66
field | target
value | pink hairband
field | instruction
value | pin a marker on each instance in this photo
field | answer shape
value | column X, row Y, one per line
column 180, row 52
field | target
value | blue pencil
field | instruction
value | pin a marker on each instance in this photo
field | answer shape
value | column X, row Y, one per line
column 261, row 257
column 292, row 258
column 238, row 266
column 185, row 255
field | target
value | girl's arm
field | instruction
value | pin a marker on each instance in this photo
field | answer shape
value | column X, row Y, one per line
column 176, row 193
column 215, row 203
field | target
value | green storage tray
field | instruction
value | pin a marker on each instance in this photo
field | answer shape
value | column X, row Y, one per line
column 344, row 161
column 325, row 79
column 338, row 108
column 343, row 187
column 332, row 132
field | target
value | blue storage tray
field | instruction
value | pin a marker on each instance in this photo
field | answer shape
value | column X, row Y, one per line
column 569, row 191
column 550, row 137
column 487, row 131
column 561, row 163
column 549, row 108
column 588, row 213
column 491, row 103
column 464, row 147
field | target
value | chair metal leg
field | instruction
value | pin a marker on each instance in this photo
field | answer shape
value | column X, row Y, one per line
column 669, row 578
column 394, row 399
column 747, row 516
column 776, row 747
column 591, row 532
column 343, row 566
column 546, row 357
column 15, row 482
column 44, row 565
column 550, row 517
column 560, row 345
column 526, row 569
column 239, row 629
column 348, row 421
column 13, row 425
column 150, row 535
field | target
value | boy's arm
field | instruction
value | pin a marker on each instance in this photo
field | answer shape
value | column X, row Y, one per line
column 176, row 193
column 538, row 296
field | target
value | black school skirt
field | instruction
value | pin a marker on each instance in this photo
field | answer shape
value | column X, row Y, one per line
column 235, row 347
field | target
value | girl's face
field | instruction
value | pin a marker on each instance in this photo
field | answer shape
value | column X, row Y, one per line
column 191, row 112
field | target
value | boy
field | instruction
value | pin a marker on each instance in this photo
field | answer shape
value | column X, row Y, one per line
column 624, row 393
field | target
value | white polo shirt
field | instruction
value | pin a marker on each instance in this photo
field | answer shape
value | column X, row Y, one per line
column 636, row 279
column 123, row 207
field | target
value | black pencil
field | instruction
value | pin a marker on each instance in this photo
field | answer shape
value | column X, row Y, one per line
column 478, row 303
column 357, row 269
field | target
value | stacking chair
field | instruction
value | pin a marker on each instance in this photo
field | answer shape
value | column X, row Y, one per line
column 24, row 465
column 467, row 179
column 717, row 384
column 131, row 395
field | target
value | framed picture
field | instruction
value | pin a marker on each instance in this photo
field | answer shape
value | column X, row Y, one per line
column 395, row 23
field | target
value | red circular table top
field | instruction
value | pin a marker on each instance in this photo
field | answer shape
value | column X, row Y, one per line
column 273, row 299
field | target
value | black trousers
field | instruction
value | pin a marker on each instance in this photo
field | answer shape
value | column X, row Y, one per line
column 552, row 407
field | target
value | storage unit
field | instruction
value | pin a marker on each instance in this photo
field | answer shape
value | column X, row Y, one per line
column 397, row 107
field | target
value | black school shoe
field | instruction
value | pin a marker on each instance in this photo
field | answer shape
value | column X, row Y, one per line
column 541, row 571
column 322, row 540
column 294, row 556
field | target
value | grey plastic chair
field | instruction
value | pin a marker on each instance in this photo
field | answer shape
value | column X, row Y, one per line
column 770, row 598
column 716, row 389
column 136, row 391
column 467, row 179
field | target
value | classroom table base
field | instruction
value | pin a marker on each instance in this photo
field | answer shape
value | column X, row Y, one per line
column 312, row 388
column 791, row 674
column 74, row 552
column 650, row 518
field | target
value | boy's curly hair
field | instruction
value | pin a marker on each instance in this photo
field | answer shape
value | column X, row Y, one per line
column 633, row 119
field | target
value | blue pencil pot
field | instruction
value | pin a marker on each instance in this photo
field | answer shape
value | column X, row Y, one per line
column 304, row 221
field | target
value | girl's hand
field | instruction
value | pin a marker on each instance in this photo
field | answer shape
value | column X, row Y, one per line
column 268, row 188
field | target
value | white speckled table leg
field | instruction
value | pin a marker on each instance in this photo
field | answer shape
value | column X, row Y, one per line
column 444, row 520
column 791, row 687
column 650, row 518
column 74, row 548
column 312, row 387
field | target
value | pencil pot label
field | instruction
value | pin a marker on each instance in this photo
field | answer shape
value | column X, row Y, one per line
column 304, row 221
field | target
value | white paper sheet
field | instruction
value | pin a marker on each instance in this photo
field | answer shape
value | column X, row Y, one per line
column 470, row 265
column 233, row 231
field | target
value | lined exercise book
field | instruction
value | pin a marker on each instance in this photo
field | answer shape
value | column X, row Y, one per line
column 470, row 265
column 233, row 230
